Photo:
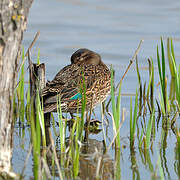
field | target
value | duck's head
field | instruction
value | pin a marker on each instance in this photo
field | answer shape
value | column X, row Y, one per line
column 85, row 56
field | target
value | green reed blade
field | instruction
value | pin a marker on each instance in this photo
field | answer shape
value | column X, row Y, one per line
column 141, row 138
column 152, row 84
column 33, row 131
column 38, row 57
column 76, row 160
column 178, row 85
column 166, row 97
column 22, row 84
column 118, row 111
column 112, row 94
column 133, row 120
column 140, row 87
column 137, row 70
column 172, row 50
column 159, row 67
column 163, row 62
column 116, row 107
column 135, row 113
column 162, row 72
column 144, row 98
column 177, row 81
column 21, row 90
column 161, row 83
column 117, row 164
column 38, row 128
column 40, row 114
column 36, row 147
column 75, row 148
column 161, row 102
column 170, row 53
column 28, row 100
column 131, row 123
column 53, row 124
column 149, row 129
column 62, row 126
column 83, row 108
column 164, row 90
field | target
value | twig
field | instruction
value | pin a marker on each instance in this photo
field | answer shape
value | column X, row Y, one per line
column 117, row 131
column 130, row 63
column 26, row 160
column 29, row 60
column 27, row 53
column 31, row 45
column 55, row 155
column 127, row 69
column 98, row 167
column 46, row 168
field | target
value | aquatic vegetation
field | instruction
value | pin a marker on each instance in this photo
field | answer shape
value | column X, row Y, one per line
column 63, row 149
column 164, row 102
column 116, row 109
column 20, row 91
column 133, row 119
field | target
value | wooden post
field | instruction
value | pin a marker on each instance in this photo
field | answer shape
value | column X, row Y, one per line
column 37, row 81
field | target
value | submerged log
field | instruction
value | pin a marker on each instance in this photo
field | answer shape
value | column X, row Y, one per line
column 13, row 20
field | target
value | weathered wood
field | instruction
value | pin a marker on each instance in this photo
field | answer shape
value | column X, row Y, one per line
column 37, row 82
column 13, row 20
column 36, row 77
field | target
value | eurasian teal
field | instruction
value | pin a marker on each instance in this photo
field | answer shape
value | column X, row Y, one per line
column 68, row 83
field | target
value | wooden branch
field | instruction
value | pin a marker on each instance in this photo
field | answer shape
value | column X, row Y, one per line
column 130, row 63
column 29, row 49
column 127, row 69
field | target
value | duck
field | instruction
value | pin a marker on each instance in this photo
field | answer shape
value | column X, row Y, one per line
column 85, row 74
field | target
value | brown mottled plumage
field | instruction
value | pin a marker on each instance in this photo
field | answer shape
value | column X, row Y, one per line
column 68, row 82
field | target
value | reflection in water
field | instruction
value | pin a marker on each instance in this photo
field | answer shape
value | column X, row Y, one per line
column 134, row 165
column 177, row 157
column 92, row 161
column 164, row 166
column 117, row 169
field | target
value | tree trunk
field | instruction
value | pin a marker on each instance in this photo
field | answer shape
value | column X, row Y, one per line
column 13, row 20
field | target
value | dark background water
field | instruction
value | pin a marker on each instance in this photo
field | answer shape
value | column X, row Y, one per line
column 111, row 28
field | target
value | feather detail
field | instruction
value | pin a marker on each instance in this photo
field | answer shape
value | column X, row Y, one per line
column 76, row 96
column 86, row 67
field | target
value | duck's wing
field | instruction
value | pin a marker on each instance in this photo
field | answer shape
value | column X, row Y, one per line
column 88, row 77
column 60, row 80
column 69, row 84
column 68, row 92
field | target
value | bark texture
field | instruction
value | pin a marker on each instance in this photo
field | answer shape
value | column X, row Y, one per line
column 13, row 20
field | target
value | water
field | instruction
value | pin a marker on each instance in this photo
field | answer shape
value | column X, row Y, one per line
column 113, row 29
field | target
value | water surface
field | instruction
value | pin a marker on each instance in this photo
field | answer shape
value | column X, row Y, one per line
column 113, row 29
